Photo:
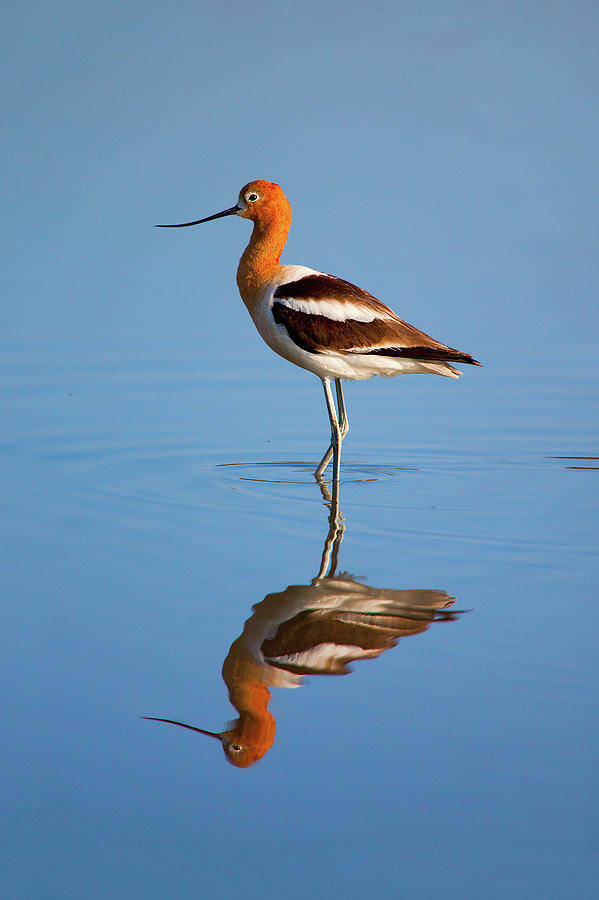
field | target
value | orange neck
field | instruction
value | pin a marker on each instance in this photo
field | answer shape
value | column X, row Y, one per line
column 260, row 258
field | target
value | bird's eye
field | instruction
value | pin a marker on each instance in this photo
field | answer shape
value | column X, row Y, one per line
column 252, row 197
column 236, row 747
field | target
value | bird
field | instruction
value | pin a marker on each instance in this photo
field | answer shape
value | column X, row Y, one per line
column 320, row 322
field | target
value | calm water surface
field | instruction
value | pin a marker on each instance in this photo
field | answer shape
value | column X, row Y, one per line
column 167, row 553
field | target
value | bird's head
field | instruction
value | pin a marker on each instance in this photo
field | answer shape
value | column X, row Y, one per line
column 260, row 201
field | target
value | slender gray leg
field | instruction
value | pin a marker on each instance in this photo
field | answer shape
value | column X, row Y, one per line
column 343, row 420
column 323, row 463
column 329, row 452
column 336, row 435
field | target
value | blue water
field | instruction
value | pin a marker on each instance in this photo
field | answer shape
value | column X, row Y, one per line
column 152, row 498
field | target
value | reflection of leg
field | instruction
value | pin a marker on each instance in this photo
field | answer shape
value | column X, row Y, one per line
column 324, row 489
column 331, row 499
column 336, row 435
column 330, row 553
column 336, row 527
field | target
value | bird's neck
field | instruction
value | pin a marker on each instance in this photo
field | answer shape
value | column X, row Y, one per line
column 260, row 259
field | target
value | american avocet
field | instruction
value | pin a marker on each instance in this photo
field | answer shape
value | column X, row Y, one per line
column 320, row 322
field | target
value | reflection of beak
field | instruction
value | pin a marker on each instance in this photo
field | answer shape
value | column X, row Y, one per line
column 226, row 212
column 213, row 734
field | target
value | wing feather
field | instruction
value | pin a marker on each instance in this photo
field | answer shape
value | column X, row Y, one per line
column 322, row 313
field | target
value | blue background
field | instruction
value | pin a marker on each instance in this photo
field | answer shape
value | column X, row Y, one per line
column 442, row 156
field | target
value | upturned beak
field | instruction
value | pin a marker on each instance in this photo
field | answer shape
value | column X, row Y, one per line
column 232, row 211
column 213, row 734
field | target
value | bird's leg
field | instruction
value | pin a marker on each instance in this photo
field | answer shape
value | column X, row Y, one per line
column 334, row 449
column 329, row 452
column 343, row 420
column 343, row 428
column 323, row 464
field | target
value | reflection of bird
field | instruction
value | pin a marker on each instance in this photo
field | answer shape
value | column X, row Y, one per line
column 312, row 629
column 320, row 322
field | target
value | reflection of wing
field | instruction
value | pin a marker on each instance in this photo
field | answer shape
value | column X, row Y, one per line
column 322, row 627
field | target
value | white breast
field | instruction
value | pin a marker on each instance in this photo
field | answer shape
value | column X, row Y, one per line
column 276, row 336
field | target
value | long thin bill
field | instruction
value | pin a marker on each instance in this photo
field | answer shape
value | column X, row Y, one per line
column 214, row 734
column 232, row 211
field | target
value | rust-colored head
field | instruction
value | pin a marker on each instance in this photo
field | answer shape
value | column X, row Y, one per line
column 265, row 204
column 260, row 201
column 263, row 200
